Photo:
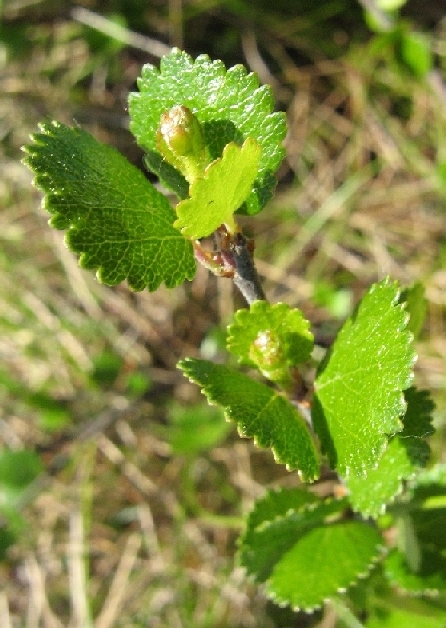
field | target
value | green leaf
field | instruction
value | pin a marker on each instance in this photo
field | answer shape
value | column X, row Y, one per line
column 259, row 412
column 359, row 387
column 116, row 220
column 406, row 452
column 370, row 495
column 277, row 503
column 272, row 338
column 429, row 579
column 323, row 562
column 229, row 104
column 294, row 544
column 263, row 546
column 220, row 192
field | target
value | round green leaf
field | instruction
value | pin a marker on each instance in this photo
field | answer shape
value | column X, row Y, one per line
column 292, row 332
column 323, row 562
column 229, row 104
column 262, row 546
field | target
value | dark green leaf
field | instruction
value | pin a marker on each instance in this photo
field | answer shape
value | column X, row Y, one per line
column 294, row 544
column 259, row 413
column 116, row 220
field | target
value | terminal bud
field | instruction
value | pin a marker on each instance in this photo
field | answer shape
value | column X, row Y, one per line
column 180, row 141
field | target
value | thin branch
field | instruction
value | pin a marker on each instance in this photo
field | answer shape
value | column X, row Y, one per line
column 245, row 277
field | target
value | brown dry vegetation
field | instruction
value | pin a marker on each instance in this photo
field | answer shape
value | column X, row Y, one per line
column 119, row 528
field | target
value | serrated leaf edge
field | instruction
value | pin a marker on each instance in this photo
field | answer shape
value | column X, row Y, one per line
column 254, row 438
column 259, row 307
column 382, row 552
column 310, row 507
column 414, row 593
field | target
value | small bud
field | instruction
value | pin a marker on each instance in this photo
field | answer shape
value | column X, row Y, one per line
column 180, row 141
column 267, row 353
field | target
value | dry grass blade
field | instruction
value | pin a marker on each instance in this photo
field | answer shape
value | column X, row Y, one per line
column 120, row 583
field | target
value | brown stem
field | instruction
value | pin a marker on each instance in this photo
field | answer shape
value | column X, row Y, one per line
column 245, row 277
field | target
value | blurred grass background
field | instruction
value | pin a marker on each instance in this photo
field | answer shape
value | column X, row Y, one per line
column 139, row 489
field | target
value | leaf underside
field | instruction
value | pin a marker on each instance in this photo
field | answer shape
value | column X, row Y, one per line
column 359, row 387
column 116, row 221
column 229, row 104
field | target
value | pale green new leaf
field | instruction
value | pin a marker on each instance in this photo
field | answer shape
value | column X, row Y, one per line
column 259, row 412
column 406, row 453
column 229, row 105
column 215, row 197
column 116, row 221
column 359, row 388
column 287, row 325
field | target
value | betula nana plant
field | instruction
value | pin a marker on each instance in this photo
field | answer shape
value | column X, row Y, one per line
column 214, row 141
